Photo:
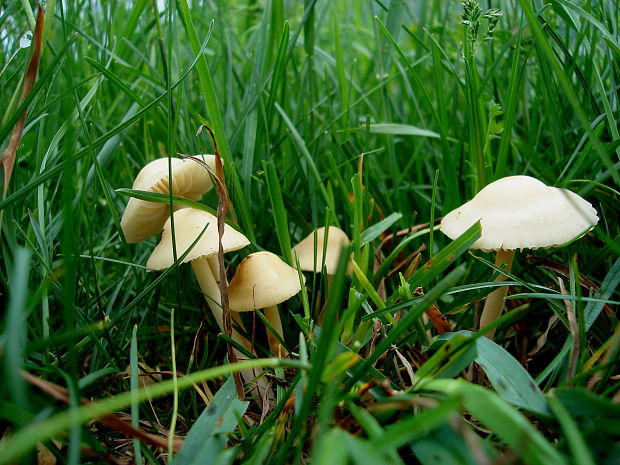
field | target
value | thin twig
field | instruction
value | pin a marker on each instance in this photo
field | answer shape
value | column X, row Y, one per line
column 222, row 207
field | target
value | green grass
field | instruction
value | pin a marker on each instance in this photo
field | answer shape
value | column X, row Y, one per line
column 375, row 116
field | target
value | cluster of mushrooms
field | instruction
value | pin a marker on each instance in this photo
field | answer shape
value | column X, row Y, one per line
column 262, row 280
column 515, row 212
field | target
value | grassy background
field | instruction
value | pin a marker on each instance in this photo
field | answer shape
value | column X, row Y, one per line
column 347, row 113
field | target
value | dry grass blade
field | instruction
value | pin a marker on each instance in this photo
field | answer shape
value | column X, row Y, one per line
column 8, row 159
column 411, row 262
column 403, row 232
column 222, row 208
column 406, row 364
column 540, row 343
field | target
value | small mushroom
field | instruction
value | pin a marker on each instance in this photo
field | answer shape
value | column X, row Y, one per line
column 263, row 280
column 188, row 224
column 519, row 212
column 314, row 252
column 143, row 219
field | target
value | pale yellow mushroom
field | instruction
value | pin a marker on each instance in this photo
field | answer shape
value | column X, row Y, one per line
column 262, row 281
column 188, row 224
column 143, row 219
column 313, row 249
column 519, row 212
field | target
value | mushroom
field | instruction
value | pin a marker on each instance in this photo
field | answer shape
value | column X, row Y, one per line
column 314, row 253
column 263, row 280
column 189, row 223
column 519, row 212
column 143, row 219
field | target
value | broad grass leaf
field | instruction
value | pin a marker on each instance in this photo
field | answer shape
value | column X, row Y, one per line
column 582, row 403
column 374, row 231
column 508, row 377
column 206, row 439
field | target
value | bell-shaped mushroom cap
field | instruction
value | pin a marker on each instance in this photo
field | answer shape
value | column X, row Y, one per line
column 336, row 240
column 519, row 212
column 143, row 219
column 262, row 280
column 188, row 224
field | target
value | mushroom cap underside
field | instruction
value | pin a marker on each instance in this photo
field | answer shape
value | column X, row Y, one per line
column 143, row 219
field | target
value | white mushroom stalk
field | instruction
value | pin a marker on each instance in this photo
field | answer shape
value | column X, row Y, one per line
column 211, row 290
column 519, row 212
column 262, row 281
column 494, row 302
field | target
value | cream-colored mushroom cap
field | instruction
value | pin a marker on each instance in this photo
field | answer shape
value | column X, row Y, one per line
column 336, row 240
column 262, row 280
column 143, row 219
column 519, row 212
column 188, row 224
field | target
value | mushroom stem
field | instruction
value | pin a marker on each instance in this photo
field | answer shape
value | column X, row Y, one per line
column 495, row 300
column 214, row 264
column 210, row 288
column 273, row 316
column 211, row 291
column 329, row 280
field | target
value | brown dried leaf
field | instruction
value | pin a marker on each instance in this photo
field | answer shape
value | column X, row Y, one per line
column 439, row 321
column 8, row 159
column 441, row 324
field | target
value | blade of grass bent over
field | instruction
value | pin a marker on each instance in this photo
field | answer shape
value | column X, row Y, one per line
column 27, row 438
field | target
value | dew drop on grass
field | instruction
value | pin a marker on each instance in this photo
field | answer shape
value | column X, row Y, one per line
column 25, row 40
